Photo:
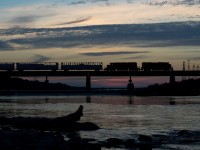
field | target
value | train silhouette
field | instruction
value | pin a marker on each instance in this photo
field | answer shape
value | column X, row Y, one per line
column 96, row 66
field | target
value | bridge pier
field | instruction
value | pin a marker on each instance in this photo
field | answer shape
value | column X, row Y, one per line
column 46, row 80
column 172, row 79
column 88, row 82
column 130, row 86
column 88, row 99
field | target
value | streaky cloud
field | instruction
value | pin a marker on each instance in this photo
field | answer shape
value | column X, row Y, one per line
column 5, row 46
column 88, row 1
column 76, row 21
column 40, row 58
column 170, row 43
column 29, row 18
column 137, row 57
column 171, row 2
column 77, row 2
column 112, row 53
column 24, row 19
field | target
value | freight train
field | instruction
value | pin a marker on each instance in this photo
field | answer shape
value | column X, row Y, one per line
column 96, row 66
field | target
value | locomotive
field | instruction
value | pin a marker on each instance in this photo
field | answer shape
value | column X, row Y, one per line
column 96, row 66
column 146, row 66
column 122, row 66
column 153, row 66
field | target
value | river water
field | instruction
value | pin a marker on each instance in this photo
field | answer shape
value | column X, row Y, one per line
column 117, row 116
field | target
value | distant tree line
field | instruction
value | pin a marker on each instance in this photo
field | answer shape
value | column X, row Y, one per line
column 182, row 88
column 22, row 84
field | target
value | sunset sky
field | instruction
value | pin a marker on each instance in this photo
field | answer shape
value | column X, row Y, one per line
column 100, row 30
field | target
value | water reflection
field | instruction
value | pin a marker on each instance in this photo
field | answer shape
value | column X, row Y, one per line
column 131, row 100
column 103, row 99
column 88, row 99
column 124, row 113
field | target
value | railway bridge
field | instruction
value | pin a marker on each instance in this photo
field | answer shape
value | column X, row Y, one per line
column 89, row 74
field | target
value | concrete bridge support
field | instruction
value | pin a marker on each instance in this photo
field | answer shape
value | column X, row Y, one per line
column 130, row 86
column 172, row 79
column 88, row 82
column 46, row 80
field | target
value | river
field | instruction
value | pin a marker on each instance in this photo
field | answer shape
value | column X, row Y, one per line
column 117, row 116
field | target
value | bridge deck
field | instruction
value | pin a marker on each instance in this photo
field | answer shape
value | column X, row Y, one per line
column 99, row 73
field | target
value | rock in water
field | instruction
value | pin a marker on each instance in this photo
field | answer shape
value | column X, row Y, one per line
column 88, row 126
column 73, row 117
column 66, row 123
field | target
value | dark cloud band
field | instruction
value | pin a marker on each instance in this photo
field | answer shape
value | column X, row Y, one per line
column 129, row 35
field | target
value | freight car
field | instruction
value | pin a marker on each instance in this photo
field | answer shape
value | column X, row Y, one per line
column 7, row 66
column 37, row 66
column 122, row 66
column 156, row 66
column 97, row 66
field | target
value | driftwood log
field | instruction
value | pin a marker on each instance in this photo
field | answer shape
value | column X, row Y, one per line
column 66, row 123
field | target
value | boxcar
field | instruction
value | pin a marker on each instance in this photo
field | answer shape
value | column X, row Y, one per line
column 7, row 66
column 122, row 66
column 97, row 66
column 37, row 66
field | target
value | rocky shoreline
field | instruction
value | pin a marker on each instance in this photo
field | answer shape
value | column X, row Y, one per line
column 23, row 139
